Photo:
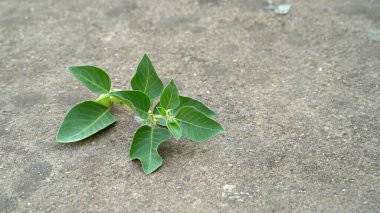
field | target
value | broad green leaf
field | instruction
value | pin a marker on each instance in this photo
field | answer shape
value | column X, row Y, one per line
column 169, row 98
column 84, row 120
column 136, row 100
column 146, row 79
column 175, row 129
column 144, row 147
column 95, row 79
column 186, row 101
column 197, row 126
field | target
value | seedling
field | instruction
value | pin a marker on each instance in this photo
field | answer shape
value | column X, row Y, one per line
column 173, row 115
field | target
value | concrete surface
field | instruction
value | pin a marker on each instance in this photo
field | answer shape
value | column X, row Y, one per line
column 298, row 94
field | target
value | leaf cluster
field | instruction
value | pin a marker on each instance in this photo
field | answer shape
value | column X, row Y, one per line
column 173, row 116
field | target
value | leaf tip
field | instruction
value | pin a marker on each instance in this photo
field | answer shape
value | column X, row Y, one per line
column 150, row 170
column 146, row 56
column 70, row 68
column 221, row 129
column 147, row 172
column 59, row 140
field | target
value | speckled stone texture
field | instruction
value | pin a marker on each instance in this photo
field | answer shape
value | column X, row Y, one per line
column 298, row 94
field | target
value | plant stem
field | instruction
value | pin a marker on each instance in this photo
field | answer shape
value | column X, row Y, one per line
column 104, row 100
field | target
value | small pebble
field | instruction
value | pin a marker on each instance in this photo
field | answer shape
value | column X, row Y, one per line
column 229, row 187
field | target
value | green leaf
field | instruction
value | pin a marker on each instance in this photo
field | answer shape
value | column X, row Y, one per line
column 169, row 98
column 162, row 111
column 136, row 100
column 144, row 147
column 175, row 129
column 146, row 79
column 95, row 79
column 83, row 120
column 197, row 126
column 186, row 101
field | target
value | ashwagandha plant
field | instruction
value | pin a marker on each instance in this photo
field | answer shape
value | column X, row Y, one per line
column 173, row 115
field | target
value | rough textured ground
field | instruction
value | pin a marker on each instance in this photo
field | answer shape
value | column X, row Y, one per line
column 299, row 96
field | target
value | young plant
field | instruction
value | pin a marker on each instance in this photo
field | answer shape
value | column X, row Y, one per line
column 173, row 115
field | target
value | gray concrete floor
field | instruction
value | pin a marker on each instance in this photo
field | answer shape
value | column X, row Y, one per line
column 298, row 94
